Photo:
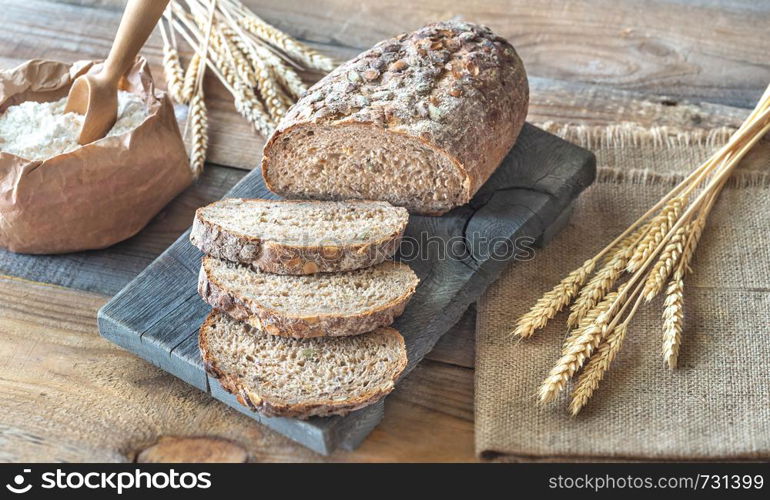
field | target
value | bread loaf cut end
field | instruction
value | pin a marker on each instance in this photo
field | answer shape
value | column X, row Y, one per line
column 420, row 120
column 342, row 162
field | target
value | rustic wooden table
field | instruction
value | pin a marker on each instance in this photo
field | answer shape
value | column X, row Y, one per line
column 66, row 394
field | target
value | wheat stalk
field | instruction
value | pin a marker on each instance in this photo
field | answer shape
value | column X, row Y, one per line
column 190, row 79
column 199, row 137
column 659, row 226
column 598, row 286
column 668, row 234
column 553, row 301
column 579, row 347
column 297, row 50
column 673, row 318
column 596, row 367
column 666, row 263
column 172, row 67
column 589, row 319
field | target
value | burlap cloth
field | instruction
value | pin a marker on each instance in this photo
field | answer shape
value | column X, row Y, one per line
column 716, row 405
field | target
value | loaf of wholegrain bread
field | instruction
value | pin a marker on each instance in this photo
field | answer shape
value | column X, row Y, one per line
column 420, row 120
column 318, row 305
column 301, row 378
column 299, row 237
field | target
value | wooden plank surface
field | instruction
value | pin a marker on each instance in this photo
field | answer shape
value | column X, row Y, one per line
column 52, row 357
column 159, row 311
column 715, row 51
column 704, row 49
column 68, row 395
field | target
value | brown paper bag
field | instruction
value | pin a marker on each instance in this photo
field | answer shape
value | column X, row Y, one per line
column 98, row 194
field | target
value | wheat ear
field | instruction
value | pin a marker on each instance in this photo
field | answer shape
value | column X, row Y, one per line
column 246, row 101
column 199, row 137
column 578, row 348
column 297, row 50
column 172, row 66
column 596, row 367
column 285, row 75
column 570, row 362
column 197, row 118
column 227, row 46
column 598, row 286
column 665, row 264
column 275, row 100
column 172, row 70
column 250, row 68
column 581, row 344
column 588, row 320
column 692, row 240
column 673, row 312
column 553, row 301
column 190, row 79
column 673, row 318
column 244, row 98
column 659, row 227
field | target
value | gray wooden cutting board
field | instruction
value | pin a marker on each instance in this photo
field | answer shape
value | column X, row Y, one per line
column 456, row 257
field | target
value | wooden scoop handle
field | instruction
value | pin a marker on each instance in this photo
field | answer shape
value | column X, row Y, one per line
column 138, row 21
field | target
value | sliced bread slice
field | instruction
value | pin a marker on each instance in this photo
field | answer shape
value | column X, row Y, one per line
column 299, row 237
column 318, row 305
column 286, row 377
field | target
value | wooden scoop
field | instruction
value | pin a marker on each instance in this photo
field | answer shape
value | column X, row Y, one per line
column 96, row 95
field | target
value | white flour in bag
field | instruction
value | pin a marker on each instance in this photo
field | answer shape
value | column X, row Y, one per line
column 40, row 130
